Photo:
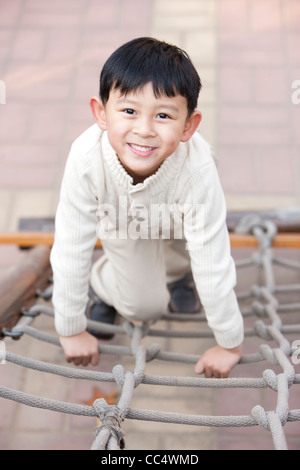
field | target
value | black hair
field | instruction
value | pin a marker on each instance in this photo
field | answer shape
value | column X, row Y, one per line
column 145, row 60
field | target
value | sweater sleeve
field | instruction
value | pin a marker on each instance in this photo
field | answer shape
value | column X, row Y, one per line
column 75, row 238
column 212, row 265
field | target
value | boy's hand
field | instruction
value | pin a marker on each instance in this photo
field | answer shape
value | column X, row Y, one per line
column 218, row 362
column 81, row 349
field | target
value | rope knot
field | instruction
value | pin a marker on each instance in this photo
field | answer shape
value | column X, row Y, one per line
column 111, row 417
column 258, row 309
column 268, row 353
column 260, row 416
column 271, row 379
column 261, row 330
column 152, row 352
column 119, row 374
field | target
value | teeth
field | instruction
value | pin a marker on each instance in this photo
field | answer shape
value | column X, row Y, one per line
column 142, row 149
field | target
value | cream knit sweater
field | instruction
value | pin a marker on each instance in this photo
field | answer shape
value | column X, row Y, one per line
column 94, row 178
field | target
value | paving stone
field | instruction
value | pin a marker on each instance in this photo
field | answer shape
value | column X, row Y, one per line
column 10, row 12
column 202, row 47
column 13, row 122
column 233, row 15
column 291, row 13
column 29, row 45
column 236, row 85
column 266, row 15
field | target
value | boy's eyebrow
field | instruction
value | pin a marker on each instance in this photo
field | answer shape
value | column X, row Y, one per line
column 169, row 106
column 126, row 100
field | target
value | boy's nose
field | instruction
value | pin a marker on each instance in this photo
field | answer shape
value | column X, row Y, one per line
column 144, row 127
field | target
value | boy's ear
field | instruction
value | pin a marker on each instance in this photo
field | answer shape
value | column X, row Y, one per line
column 191, row 126
column 98, row 112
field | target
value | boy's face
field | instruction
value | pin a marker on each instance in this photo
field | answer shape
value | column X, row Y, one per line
column 144, row 130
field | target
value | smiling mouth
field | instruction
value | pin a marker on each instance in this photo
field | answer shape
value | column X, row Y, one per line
column 142, row 150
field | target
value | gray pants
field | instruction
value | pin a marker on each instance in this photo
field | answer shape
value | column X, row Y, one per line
column 132, row 275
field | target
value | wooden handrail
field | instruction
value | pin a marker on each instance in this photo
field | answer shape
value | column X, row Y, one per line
column 18, row 284
column 281, row 240
column 30, row 239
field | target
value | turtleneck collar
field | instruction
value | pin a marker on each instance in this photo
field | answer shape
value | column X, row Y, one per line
column 154, row 183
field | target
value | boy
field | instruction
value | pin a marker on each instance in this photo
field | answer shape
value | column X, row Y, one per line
column 144, row 181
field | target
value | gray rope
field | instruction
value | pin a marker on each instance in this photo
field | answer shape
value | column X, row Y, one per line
column 77, row 373
column 268, row 327
column 46, row 403
column 258, row 414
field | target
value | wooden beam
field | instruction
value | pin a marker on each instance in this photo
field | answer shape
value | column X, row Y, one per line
column 30, row 239
column 27, row 239
column 282, row 240
column 18, row 284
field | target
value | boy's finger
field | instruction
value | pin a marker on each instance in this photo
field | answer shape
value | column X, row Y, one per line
column 85, row 361
column 199, row 367
column 209, row 373
column 95, row 359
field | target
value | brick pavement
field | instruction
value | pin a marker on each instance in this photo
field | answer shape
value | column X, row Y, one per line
column 258, row 144
column 51, row 54
column 246, row 54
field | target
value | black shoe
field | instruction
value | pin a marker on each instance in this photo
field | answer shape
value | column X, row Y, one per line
column 184, row 297
column 99, row 311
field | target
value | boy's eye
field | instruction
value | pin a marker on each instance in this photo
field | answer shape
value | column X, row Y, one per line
column 163, row 116
column 129, row 111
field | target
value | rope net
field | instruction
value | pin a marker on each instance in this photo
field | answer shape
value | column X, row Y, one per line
column 259, row 304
